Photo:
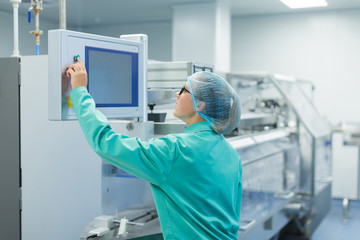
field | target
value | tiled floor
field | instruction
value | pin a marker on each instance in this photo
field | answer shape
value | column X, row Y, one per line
column 332, row 227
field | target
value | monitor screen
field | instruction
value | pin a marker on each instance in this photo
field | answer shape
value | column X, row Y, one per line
column 112, row 77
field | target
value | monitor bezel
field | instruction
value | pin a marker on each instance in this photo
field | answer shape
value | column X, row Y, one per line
column 63, row 46
column 134, row 76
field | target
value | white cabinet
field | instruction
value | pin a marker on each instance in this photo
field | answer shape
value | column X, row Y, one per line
column 345, row 168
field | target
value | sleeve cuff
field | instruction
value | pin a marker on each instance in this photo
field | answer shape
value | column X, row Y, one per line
column 78, row 97
column 76, row 91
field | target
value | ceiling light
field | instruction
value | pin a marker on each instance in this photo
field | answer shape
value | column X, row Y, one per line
column 304, row 3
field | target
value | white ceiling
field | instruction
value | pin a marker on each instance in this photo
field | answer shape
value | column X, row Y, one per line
column 83, row 13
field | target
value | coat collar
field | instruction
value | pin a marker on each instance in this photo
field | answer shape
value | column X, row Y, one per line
column 199, row 126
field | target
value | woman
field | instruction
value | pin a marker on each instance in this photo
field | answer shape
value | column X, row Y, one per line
column 195, row 176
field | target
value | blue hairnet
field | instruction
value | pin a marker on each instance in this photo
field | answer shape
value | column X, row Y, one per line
column 222, row 104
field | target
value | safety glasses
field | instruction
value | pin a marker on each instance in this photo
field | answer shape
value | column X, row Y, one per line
column 182, row 90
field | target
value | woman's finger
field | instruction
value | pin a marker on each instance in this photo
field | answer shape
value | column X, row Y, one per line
column 82, row 64
column 69, row 72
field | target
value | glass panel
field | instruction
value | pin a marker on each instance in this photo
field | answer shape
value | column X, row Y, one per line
column 306, row 146
column 270, row 174
column 322, row 163
column 304, row 108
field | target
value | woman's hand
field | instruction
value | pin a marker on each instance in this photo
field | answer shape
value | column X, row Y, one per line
column 78, row 74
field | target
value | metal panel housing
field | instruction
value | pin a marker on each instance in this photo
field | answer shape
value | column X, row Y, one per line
column 10, row 148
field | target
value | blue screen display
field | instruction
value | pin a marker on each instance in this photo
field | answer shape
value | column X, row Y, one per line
column 112, row 77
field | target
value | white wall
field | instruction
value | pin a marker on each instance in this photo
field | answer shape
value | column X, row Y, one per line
column 159, row 33
column 322, row 47
column 194, row 32
column 202, row 36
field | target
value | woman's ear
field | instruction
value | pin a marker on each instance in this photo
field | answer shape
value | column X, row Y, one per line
column 200, row 106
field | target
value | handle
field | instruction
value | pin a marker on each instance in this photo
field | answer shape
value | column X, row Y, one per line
column 123, row 222
column 249, row 222
column 135, row 223
column 284, row 195
column 29, row 16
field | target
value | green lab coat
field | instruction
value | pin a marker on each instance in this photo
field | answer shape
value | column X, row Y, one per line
column 195, row 176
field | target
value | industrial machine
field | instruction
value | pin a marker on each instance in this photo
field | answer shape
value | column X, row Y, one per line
column 58, row 188
column 285, row 147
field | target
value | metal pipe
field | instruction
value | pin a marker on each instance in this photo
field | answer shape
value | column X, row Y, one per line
column 37, row 32
column 15, row 4
column 313, row 166
column 36, row 5
column 62, row 14
column 358, row 190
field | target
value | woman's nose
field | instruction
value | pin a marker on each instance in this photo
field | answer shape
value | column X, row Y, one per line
column 177, row 94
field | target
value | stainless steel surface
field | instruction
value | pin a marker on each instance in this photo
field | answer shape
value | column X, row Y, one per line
column 166, row 128
column 313, row 165
column 249, row 223
column 269, row 176
column 257, row 120
column 346, row 210
column 162, row 96
column 264, row 224
column 10, row 182
column 239, row 142
column 320, row 205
